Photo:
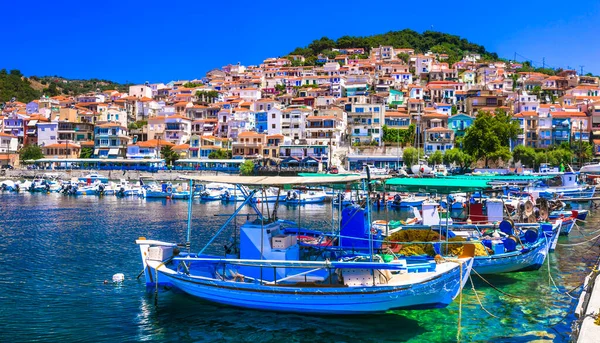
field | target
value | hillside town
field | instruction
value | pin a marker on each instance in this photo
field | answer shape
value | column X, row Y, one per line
column 289, row 114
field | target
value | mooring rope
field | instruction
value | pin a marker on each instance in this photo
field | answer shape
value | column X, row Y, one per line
column 496, row 288
column 479, row 300
column 580, row 243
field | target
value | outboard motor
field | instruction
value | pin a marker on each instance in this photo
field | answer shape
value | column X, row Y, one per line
column 397, row 199
column 17, row 188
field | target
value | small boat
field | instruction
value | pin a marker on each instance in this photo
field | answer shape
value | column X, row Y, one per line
column 307, row 196
column 9, row 186
column 163, row 191
column 398, row 201
column 421, row 168
column 93, row 177
column 579, row 214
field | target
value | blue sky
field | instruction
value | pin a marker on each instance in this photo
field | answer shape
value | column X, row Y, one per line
column 159, row 41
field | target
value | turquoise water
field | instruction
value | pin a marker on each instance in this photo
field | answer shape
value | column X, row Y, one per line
column 56, row 251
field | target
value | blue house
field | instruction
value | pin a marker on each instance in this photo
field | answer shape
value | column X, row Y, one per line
column 561, row 129
column 261, row 122
column 459, row 123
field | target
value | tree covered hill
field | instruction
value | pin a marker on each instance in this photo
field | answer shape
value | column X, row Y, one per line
column 437, row 42
column 13, row 84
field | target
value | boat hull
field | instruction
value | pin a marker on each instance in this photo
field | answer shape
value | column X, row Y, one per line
column 436, row 292
column 512, row 262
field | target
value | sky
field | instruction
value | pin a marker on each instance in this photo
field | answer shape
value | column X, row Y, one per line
column 160, row 41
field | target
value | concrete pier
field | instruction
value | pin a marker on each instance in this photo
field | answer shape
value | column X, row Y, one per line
column 585, row 330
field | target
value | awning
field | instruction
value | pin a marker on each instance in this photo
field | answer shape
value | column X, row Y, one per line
column 113, row 151
column 32, row 123
column 273, row 180
column 437, row 185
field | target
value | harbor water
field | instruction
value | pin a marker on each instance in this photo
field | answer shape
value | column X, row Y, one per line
column 57, row 251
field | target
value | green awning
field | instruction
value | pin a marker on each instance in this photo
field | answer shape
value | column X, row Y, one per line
column 437, row 185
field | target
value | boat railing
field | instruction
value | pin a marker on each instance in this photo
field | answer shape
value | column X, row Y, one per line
column 273, row 265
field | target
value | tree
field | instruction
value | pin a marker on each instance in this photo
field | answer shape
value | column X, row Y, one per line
column 404, row 57
column 436, row 158
column 458, row 157
column 86, row 152
column 30, row 152
column 247, row 168
column 280, row 88
column 169, row 155
column 525, row 155
column 52, row 90
column 220, row 154
column 454, row 110
column 585, row 154
column 488, row 134
column 500, row 156
column 410, row 156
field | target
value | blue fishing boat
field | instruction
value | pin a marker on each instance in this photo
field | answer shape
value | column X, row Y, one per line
column 164, row 191
column 267, row 272
column 411, row 200
column 563, row 186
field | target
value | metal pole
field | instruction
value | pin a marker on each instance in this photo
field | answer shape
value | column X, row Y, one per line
column 228, row 221
column 189, row 221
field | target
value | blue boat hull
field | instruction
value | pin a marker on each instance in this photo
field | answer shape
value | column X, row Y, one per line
column 516, row 261
column 162, row 195
column 317, row 200
column 435, row 292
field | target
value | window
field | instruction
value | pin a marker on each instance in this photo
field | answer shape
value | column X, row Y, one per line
column 273, row 126
column 272, row 115
column 356, row 131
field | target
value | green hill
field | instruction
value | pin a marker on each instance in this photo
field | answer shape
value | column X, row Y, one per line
column 436, row 42
column 14, row 84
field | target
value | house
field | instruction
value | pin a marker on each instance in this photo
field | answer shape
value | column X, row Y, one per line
column 324, row 130
column 529, row 123
column 438, row 138
column 147, row 149
column 561, row 127
column 110, row 140
column 178, row 129
column 459, row 123
column 62, row 150
column 8, row 150
column 365, row 122
column 47, row 133
column 249, row 144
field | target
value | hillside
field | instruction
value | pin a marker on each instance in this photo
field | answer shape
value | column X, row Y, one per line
column 14, row 84
column 454, row 46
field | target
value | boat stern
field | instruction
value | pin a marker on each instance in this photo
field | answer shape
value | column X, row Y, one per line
column 153, row 253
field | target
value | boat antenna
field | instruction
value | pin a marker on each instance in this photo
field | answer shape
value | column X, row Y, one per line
column 189, row 220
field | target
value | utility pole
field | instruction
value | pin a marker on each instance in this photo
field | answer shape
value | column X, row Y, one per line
column 581, row 70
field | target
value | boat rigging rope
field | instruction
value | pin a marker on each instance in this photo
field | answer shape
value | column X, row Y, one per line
column 479, row 300
column 580, row 243
column 550, row 278
column 460, row 265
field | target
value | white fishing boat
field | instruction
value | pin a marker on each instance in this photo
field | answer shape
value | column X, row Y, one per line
column 306, row 196
column 93, row 177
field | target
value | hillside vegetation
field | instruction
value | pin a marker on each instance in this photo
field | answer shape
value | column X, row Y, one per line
column 437, row 42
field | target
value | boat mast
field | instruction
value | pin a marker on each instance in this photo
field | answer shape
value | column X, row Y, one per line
column 189, row 220
column 367, row 185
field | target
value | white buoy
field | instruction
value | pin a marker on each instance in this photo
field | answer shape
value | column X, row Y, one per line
column 118, row 278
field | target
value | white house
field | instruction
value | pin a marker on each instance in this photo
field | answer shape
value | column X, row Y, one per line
column 140, row 91
column 47, row 133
